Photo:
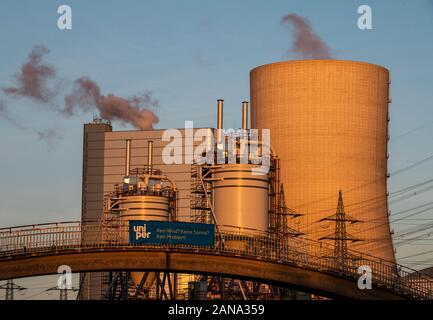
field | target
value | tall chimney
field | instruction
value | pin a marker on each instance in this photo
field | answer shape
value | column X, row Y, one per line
column 220, row 120
column 220, row 114
column 245, row 115
column 128, row 157
column 149, row 155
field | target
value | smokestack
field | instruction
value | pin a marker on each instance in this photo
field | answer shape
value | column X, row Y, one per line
column 220, row 120
column 128, row 157
column 149, row 155
column 220, row 114
column 245, row 115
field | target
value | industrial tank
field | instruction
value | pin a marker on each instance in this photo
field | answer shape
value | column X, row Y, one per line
column 241, row 199
column 144, row 207
column 328, row 122
column 145, row 194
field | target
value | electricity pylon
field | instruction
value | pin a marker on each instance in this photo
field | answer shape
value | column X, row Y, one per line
column 340, row 236
column 10, row 287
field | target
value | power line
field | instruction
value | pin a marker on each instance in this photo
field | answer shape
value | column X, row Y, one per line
column 420, row 219
column 411, row 131
column 417, row 254
column 63, row 292
column 406, row 223
column 396, row 193
column 392, row 174
column 413, row 208
column 403, row 242
column 35, row 294
column 416, row 193
column 419, row 228
column 412, row 214
column 385, row 221
column 410, row 231
column 409, row 188
column 413, row 165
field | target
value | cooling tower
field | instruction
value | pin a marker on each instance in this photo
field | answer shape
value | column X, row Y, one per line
column 329, row 126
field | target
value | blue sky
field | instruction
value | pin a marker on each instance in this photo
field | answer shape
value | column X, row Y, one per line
column 189, row 53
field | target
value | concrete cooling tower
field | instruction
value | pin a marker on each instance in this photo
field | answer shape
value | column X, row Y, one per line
column 329, row 126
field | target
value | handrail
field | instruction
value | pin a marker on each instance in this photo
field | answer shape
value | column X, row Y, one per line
column 307, row 253
column 39, row 224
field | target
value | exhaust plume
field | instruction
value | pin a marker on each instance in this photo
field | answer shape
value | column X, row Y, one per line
column 86, row 94
column 306, row 43
column 3, row 109
column 32, row 79
column 50, row 136
column 4, row 113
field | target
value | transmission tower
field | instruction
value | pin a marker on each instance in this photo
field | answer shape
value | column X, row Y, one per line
column 63, row 293
column 63, row 289
column 340, row 236
column 10, row 287
column 283, row 213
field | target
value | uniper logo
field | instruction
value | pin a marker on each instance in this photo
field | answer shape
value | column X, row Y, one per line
column 141, row 232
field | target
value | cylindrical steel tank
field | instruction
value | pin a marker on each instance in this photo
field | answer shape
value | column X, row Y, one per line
column 144, row 207
column 328, row 122
column 240, row 198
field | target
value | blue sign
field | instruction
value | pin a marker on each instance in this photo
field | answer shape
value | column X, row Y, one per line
column 161, row 232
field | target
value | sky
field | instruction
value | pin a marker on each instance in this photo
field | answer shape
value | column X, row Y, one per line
column 188, row 54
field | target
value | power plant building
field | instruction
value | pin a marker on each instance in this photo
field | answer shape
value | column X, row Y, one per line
column 328, row 122
column 104, row 159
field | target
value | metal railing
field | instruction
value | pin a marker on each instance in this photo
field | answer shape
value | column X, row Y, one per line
column 309, row 254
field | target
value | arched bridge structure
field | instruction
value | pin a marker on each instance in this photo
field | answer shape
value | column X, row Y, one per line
column 288, row 262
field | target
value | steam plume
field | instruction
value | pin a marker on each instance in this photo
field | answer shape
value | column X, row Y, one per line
column 50, row 136
column 32, row 79
column 86, row 94
column 306, row 43
column 4, row 113
column 3, row 109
